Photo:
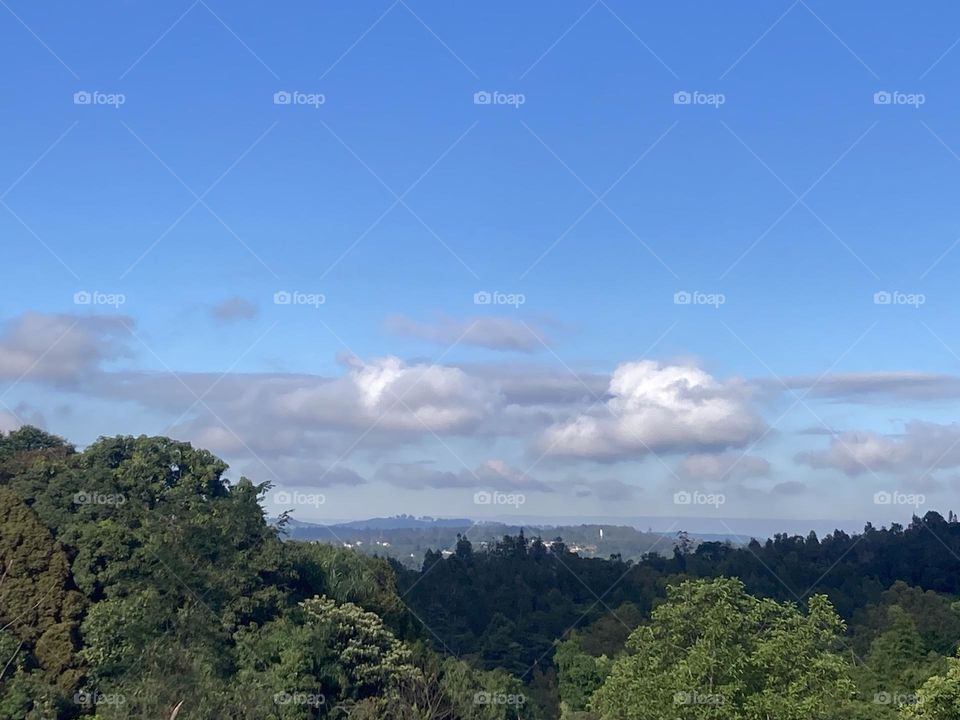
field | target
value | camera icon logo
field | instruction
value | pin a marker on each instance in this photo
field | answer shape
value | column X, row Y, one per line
column 682, row 97
column 82, row 97
column 482, row 97
column 282, row 297
column 282, row 97
column 882, row 498
column 482, row 298
column 482, row 498
column 682, row 298
column 882, row 298
column 682, row 498
column 82, row 297
column 882, row 97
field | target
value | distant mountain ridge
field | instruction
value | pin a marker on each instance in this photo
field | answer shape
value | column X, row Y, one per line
column 739, row 530
column 407, row 538
column 400, row 522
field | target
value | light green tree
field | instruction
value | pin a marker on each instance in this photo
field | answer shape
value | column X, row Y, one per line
column 323, row 660
column 712, row 651
column 939, row 697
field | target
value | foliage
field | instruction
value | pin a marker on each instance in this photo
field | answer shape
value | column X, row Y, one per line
column 579, row 674
column 505, row 607
column 714, row 649
column 137, row 581
column 39, row 608
column 939, row 697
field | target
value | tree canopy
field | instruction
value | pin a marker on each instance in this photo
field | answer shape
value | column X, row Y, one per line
column 136, row 580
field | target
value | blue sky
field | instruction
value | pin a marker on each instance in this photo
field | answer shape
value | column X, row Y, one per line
column 794, row 197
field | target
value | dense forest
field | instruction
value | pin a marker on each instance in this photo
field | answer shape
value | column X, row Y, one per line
column 137, row 582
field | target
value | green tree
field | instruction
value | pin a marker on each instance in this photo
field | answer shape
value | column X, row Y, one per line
column 579, row 675
column 25, row 446
column 713, row 651
column 939, row 697
column 897, row 662
column 321, row 657
column 39, row 607
column 346, row 576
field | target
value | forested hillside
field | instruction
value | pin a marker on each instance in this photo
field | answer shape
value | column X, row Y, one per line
column 136, row 582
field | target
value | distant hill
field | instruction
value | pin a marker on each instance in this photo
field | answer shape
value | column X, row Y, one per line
column 406, row 538
column 401, row 522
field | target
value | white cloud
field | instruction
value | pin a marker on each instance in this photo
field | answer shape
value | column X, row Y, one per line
column 922, row 447
column 217, row 439
column 60, row 348
column 653, row 408
column 875, row 387
column 395, row 396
